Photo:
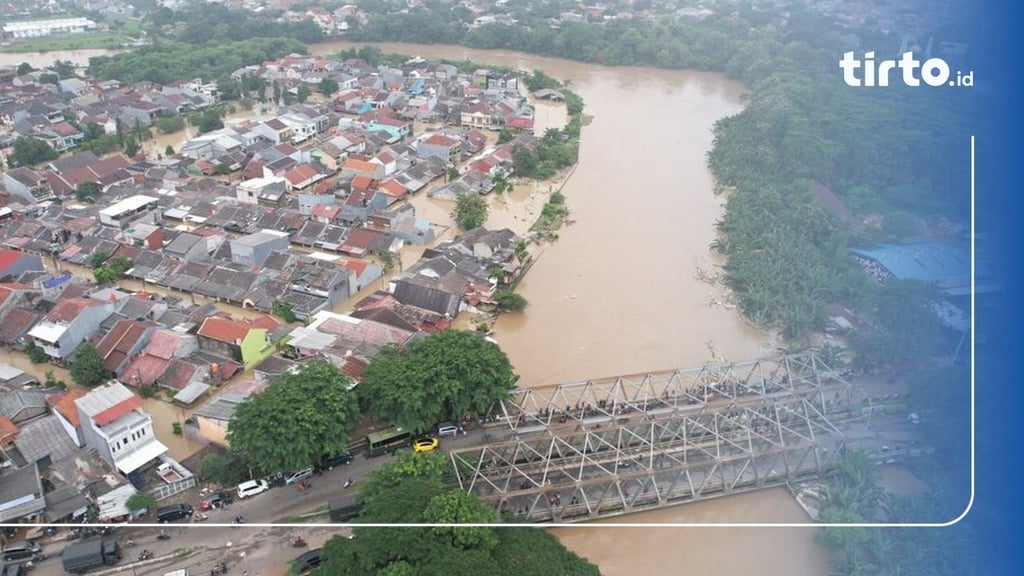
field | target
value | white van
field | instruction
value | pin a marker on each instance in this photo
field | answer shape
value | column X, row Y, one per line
column 252, row 488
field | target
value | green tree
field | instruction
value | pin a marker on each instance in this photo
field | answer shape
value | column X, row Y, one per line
column 25, row 68
column 285, row 311
column 169, row 151
column 168, row 123
column 87, row 191
column 302, row 92
column 458, row 507
column 328, row 86
column 140, row 501
column 35, row 353
column 30, row 151
column 470, row 211
column 227, row 469
column 449, row 374
column 209, row 121
column 453, row 173
column 300, row 417
column 509, row 300
column 86, row 366
column 222, row 169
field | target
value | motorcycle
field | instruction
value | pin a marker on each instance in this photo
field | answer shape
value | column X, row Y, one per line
column 348, row 483
column 163, row 536
column 145, row 555
column 298, row 542
column 199, row 517
column 239, row 520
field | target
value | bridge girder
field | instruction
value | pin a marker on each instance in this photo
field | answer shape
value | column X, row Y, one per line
column 652, row 440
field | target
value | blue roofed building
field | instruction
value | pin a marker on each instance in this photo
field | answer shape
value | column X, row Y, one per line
column 947, row 267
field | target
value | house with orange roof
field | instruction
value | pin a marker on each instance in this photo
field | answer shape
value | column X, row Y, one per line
column 356, row 167
column 247, row 341
column 67, row 413
column 446, row 147
column 71, row 322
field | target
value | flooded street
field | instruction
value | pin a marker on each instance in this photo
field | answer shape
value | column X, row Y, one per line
column 619, row 293
column 79, row 58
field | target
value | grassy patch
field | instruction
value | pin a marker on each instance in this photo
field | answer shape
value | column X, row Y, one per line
column 552, row 216
column 68, row 42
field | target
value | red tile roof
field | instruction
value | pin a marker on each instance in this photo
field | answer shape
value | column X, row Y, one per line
column 357, row 266
column 117, row 410
column 66, row 405
column 69, row 309
column 363, row 182
column 353, row 165
column 354, row 368
column 115, row 346
column 8, row 431
column 9, row 257
column 232, row 331
column 441, row 140
column 393, row 188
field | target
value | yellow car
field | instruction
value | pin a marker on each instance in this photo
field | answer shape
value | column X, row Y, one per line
column 424, row 445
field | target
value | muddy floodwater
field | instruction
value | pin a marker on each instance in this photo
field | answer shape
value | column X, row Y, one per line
column 625, row 290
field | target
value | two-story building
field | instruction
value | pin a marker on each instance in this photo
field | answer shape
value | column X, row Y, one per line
column 113, row 423
column 27, row 185
column 68, row 324
column 441, row 146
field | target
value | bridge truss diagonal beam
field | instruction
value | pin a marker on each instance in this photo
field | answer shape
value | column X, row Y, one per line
column 637, row 442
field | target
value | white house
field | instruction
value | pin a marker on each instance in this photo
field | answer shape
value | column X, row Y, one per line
column 114, row 424
column 68, row 324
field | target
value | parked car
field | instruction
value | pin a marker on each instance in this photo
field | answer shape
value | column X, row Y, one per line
column 307, row 561
column 174, row 512
column 329, row 462
column 216, row 500
column 252, row 488
column 298, row 476
column 424, row 445
column 447, row 429
column 21, row 551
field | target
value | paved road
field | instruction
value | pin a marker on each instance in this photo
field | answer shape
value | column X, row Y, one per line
column 258, row 549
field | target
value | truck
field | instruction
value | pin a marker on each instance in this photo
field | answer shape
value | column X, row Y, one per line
column 87, row 555
column 343, row 509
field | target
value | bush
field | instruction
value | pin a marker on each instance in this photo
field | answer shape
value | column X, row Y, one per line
column 140, row 501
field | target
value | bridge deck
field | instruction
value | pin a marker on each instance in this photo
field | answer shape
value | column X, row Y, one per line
column 587, row 450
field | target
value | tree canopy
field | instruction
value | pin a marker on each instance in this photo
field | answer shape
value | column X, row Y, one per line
column 30, row 151
column 301, row 416
column 447, row 375
column 470, row 211
column 86, row 366
column 413, row 490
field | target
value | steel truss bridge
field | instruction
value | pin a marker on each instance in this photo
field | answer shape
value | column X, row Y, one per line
column 586, row 450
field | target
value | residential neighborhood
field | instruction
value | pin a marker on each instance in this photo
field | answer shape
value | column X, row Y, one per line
column 200, row 275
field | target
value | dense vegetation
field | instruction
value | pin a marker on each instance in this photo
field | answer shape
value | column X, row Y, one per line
column 413, row 490
column 892, row 153
column 447, row 375
column 941, row 396
column 301, row 417
column 165, row 62
column 204, row 23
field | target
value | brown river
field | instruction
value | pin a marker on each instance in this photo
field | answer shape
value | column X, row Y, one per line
column 619, row 293
column 625, row 290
